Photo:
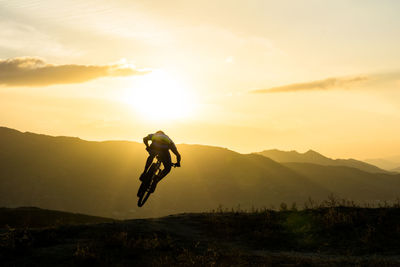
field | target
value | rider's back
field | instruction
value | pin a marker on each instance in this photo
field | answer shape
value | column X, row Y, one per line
column 160, row 141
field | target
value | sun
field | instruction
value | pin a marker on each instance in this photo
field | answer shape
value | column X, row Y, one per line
column 160, row 96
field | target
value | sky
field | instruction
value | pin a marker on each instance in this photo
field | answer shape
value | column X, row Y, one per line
column 245, row 75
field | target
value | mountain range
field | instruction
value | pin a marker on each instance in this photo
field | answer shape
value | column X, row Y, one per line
column 316, row 158
column 101, row 178
column 388, row 163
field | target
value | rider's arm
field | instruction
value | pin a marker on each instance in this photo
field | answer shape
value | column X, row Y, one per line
column 175, row 151
column 146, row 140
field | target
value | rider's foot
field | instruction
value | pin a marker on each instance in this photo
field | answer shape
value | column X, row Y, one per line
column 141, row 178
column 154, row 184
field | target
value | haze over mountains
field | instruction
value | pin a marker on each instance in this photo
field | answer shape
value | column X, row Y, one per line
column 388, row 163
column 314, row 157
column 396, row 169
column 101, row 178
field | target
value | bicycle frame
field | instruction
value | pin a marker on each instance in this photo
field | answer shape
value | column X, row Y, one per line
column 153, row 171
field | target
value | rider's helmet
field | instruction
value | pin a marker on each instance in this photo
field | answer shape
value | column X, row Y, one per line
column 160, row 132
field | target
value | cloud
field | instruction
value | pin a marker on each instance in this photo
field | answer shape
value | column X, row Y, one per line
column 34, row 71
column 326, row 84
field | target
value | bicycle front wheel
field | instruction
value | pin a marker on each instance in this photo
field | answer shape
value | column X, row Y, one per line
column 144, row 189
column 143, row 198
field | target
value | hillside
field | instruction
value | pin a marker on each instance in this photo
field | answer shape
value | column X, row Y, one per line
column 101, row 178
column 316, row 158
column 33, row 217
column 323, row 236
column 396, row 169
column 351, row 183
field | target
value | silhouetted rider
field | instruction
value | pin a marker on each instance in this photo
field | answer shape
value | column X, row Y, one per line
column 160, row 145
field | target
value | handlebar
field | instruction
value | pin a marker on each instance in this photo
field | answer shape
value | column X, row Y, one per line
column 173, row 164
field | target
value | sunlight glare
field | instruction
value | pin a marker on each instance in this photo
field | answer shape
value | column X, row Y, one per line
column 159, row 96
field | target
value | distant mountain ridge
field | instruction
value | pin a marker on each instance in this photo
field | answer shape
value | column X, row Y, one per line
column 101, row 178
column 389, row 163
column 314, row 157
column 396, row 169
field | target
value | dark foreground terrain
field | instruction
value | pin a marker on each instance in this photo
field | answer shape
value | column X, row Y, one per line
column 319, row 236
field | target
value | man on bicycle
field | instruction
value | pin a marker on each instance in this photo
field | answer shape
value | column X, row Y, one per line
column 160, row 145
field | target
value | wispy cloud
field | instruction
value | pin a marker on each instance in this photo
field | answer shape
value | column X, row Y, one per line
column 34, row 71
column 326, row 84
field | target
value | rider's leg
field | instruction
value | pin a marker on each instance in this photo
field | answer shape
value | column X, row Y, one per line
column 149, row 160
column 163, row 173
column 167, row 163
column 165, row 158
column 146, row 167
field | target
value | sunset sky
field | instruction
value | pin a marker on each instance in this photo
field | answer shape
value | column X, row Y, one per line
column 246, row 75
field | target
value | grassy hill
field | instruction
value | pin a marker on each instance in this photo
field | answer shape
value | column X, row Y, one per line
column 101, row 178
column 326, row 235
column 316, row 158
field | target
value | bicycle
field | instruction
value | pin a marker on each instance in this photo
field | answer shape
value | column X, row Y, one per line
column 144, row 191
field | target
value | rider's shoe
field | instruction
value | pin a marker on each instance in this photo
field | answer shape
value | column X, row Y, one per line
column 141, row 178
column 154, row 184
